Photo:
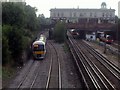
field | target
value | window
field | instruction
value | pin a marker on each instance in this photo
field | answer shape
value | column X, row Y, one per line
column 41, row 47
column 95, row 15
column 58, row 14
column 62, row 15
column 110, row 14
column 84, row 14
column 54, row 14
column 74, row 14
column 70, row 14
column 90, row 14
column 38, row 48
column 81, row 14
column 107, row 14
column 103, row 14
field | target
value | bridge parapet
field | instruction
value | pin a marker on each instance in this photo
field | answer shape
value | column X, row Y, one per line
column 89, row 26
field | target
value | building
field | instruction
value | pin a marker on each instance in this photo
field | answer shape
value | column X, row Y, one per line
column 16, row 0
column 13, row 0
column 119, row 9
column 84, row 15
column 3, row 0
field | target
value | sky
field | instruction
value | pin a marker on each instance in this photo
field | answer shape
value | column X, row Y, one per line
column 44, row 6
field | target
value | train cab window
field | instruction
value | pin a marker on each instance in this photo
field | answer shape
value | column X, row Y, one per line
column 109, row 38
column 39, row 48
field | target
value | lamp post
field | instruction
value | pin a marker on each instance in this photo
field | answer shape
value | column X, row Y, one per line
column 105, row 48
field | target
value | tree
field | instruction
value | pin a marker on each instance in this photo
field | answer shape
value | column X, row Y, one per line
column 5, row 51
column 16, row 44
column 30, row 18
column 41, row 19
column 13, row 14
column 13, row 42
column 60, row 32
column 20, row 24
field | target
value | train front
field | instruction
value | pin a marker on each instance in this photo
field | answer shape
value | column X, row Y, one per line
column 39, row 49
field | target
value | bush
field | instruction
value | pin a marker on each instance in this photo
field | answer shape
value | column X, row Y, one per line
column 60, row 32
column 5, row 51
column 13, row 42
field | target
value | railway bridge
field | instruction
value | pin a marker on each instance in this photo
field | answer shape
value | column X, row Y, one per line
column 90, row 26
column 84, row 28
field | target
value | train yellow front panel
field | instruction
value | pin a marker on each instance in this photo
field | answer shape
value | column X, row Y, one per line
column 39, row 52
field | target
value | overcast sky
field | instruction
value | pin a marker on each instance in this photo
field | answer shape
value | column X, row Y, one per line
column 44, row 6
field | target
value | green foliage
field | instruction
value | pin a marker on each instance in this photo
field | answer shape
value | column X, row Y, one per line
column 6, row 54
column 20, row 15
column 13, row 42
column 7, row 72
column 60, row 32
column 30, row 17
column 19, row 26
column 16, row 42
column 65, row 47
column 13, row 14
column 26, row 41
column 41, row 19
column 5, row 51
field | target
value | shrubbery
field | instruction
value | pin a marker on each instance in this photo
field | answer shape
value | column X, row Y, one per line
column 60, row 32
column 19, row 26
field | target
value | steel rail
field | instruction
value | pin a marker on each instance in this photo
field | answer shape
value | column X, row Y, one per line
column 86, row 69
column 59, row 68
column 98, row 71
column 35, row 77
column 108, row 66
column 80, row 71
column 50, row 70
column 25, row 76
column 105, row 59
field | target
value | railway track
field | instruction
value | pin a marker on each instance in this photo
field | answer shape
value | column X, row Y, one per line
column 54, row 73
column 54, row 76
column 92, row 69
column 31, row 74
column 18, row 82
column 116, row 67
column 30, row 77
column 113, row 48
column 84, row 74
column 107, row 67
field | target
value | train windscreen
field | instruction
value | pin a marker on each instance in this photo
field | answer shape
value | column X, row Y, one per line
column 38, row 47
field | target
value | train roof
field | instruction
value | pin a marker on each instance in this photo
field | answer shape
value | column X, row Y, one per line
column 42, row 38
column 39, row 42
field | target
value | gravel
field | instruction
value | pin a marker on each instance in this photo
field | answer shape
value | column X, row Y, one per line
column 70, row 78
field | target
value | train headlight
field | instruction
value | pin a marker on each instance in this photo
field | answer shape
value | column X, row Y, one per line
column 77, row 33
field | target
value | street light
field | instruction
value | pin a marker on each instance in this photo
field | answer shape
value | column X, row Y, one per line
column 105, row 47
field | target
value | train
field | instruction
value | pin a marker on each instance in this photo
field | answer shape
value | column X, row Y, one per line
column 74, row 33
column 108, row 39
column 39, row 47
